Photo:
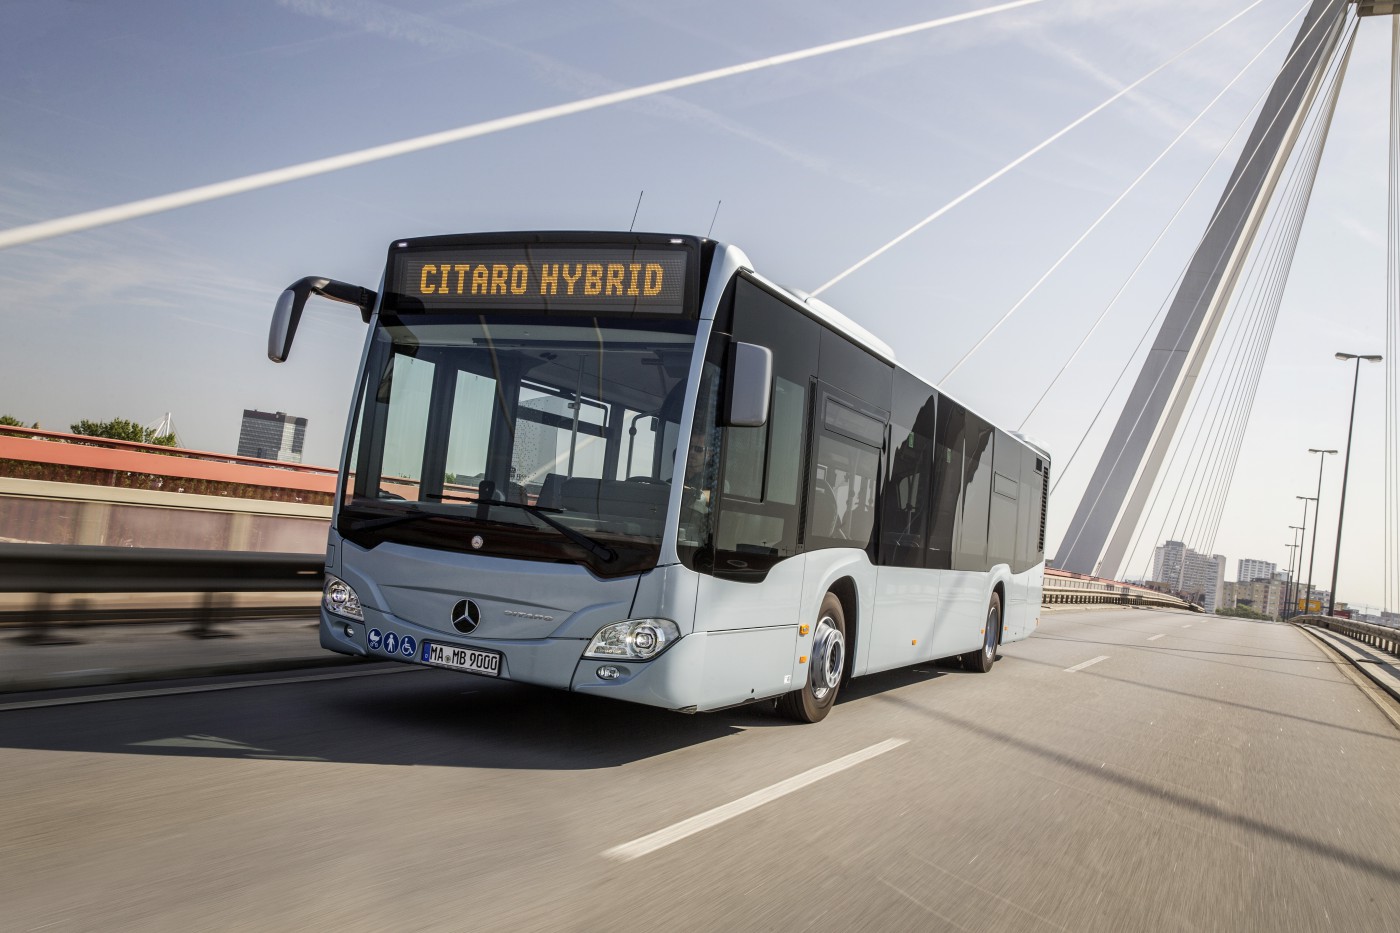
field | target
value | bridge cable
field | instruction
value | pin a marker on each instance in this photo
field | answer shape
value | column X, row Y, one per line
column 1201, row 512
column 1226, row 443
column 1205, row 401
column 1214, row 219
column 1023, row 157
column 1287, row 207
column 1210, row 226
column 109, row 215
column 1165, row 227
column 1035, row 287
column 1264, row 285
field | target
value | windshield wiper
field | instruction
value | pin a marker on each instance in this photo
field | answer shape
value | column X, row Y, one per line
column 598, row 550
column 365, row 524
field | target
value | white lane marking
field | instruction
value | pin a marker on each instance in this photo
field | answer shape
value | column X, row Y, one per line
column 201, row 688
column 1080, row 667
column 1187, row 625
column 700, row 822
column 1155, row 637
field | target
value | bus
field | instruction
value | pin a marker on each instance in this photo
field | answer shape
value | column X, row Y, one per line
column 628, row 465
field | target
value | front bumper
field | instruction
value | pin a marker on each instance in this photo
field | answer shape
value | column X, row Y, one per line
column 671, row 681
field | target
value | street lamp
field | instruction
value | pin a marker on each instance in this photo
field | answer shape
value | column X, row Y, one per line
column 1283, row 597
column 1317, row 513
column 1306, row 500
column 1292, row 590
column 1346, row 467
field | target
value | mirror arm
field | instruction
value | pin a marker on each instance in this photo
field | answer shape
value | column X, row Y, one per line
column 360, row 297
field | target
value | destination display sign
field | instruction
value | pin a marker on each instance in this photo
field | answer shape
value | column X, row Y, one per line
column 541, row 278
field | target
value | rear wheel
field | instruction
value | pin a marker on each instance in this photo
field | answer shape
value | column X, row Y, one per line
column 825, row 667
column 981, row 660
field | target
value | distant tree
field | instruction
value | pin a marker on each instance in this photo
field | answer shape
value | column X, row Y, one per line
column 120, row 429
column 10, row 421
column 1242, row 612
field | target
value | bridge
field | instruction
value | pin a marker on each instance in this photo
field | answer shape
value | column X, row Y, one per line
column 177, row 752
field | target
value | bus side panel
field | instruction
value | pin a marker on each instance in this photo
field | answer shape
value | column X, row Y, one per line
column 906, row 617
column 751, row 647
column 746, row 664
column 1023, row 608
column 962, row 612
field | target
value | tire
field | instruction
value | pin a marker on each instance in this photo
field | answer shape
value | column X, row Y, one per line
column 980, row 661
column 826, row 667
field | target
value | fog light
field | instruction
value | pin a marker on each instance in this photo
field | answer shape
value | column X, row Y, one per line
column 349, row 631
column 608, row 672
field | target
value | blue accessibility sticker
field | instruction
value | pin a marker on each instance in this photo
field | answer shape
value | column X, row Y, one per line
column 375, row 637
column 391, row 642
column 409, row 646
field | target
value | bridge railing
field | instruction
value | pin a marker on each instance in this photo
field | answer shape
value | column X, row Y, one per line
column 1062, row 588
column 1383, row 637
column 49, row 570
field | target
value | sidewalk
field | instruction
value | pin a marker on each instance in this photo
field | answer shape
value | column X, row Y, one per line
column 1381, row 668
column 114, row 654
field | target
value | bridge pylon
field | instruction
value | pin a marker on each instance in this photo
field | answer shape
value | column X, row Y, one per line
column 1103, row 525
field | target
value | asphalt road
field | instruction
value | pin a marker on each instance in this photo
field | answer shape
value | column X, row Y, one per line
column 1204, row 774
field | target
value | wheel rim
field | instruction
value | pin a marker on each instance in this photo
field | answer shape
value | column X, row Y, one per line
column 828, row 658
column 989, row 644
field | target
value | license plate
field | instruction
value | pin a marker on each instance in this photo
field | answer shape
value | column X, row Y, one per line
column 473, row 660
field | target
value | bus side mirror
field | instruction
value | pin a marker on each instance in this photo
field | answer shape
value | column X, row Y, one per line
column 285, row 318
column 287, row 315
column 750, row 387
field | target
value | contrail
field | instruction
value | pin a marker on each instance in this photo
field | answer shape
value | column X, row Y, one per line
column 88, row 220
column 1018, row 160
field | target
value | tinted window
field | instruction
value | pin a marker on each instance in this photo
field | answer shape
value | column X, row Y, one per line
column 909, row 485
column 970, row 552
column 855, row 370
column 948, row 470
column 762, row 468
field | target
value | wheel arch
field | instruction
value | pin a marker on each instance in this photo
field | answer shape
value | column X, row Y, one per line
column 847, row 591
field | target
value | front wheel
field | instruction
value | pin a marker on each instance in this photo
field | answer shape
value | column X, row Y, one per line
column 825, row 667
column 981, row 661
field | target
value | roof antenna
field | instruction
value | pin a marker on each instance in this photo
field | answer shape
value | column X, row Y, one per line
column 712, row 220
column 638, row 208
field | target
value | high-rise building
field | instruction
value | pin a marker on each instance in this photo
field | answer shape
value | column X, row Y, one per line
column 1190, row 574
column 1251, row 570
column 271, row 436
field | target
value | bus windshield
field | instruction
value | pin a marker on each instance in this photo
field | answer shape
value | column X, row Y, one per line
column 539, row 438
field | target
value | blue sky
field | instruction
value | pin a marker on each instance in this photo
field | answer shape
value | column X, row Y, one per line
column 817, row 164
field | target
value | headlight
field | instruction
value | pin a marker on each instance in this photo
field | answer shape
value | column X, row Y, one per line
column 635, row 639
column 340, row 599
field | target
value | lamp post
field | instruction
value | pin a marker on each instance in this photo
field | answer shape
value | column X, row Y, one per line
column 1306, row 500
column 1288, row 610
column 1346, row 467
column 1317, row 513
column 1288, row 581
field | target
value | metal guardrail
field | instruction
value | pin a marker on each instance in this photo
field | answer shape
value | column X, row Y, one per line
column 1377, row 636
column 64, row 568
column 48, row 570
column 1115, row 596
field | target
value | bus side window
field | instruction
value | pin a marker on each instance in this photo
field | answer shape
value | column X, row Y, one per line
column 761, row 479
column 909, row 485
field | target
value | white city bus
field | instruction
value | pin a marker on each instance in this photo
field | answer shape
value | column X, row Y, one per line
column 628, row 465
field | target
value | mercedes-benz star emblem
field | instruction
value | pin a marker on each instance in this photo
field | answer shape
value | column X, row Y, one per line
column 478, row 541
column 466, row 616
